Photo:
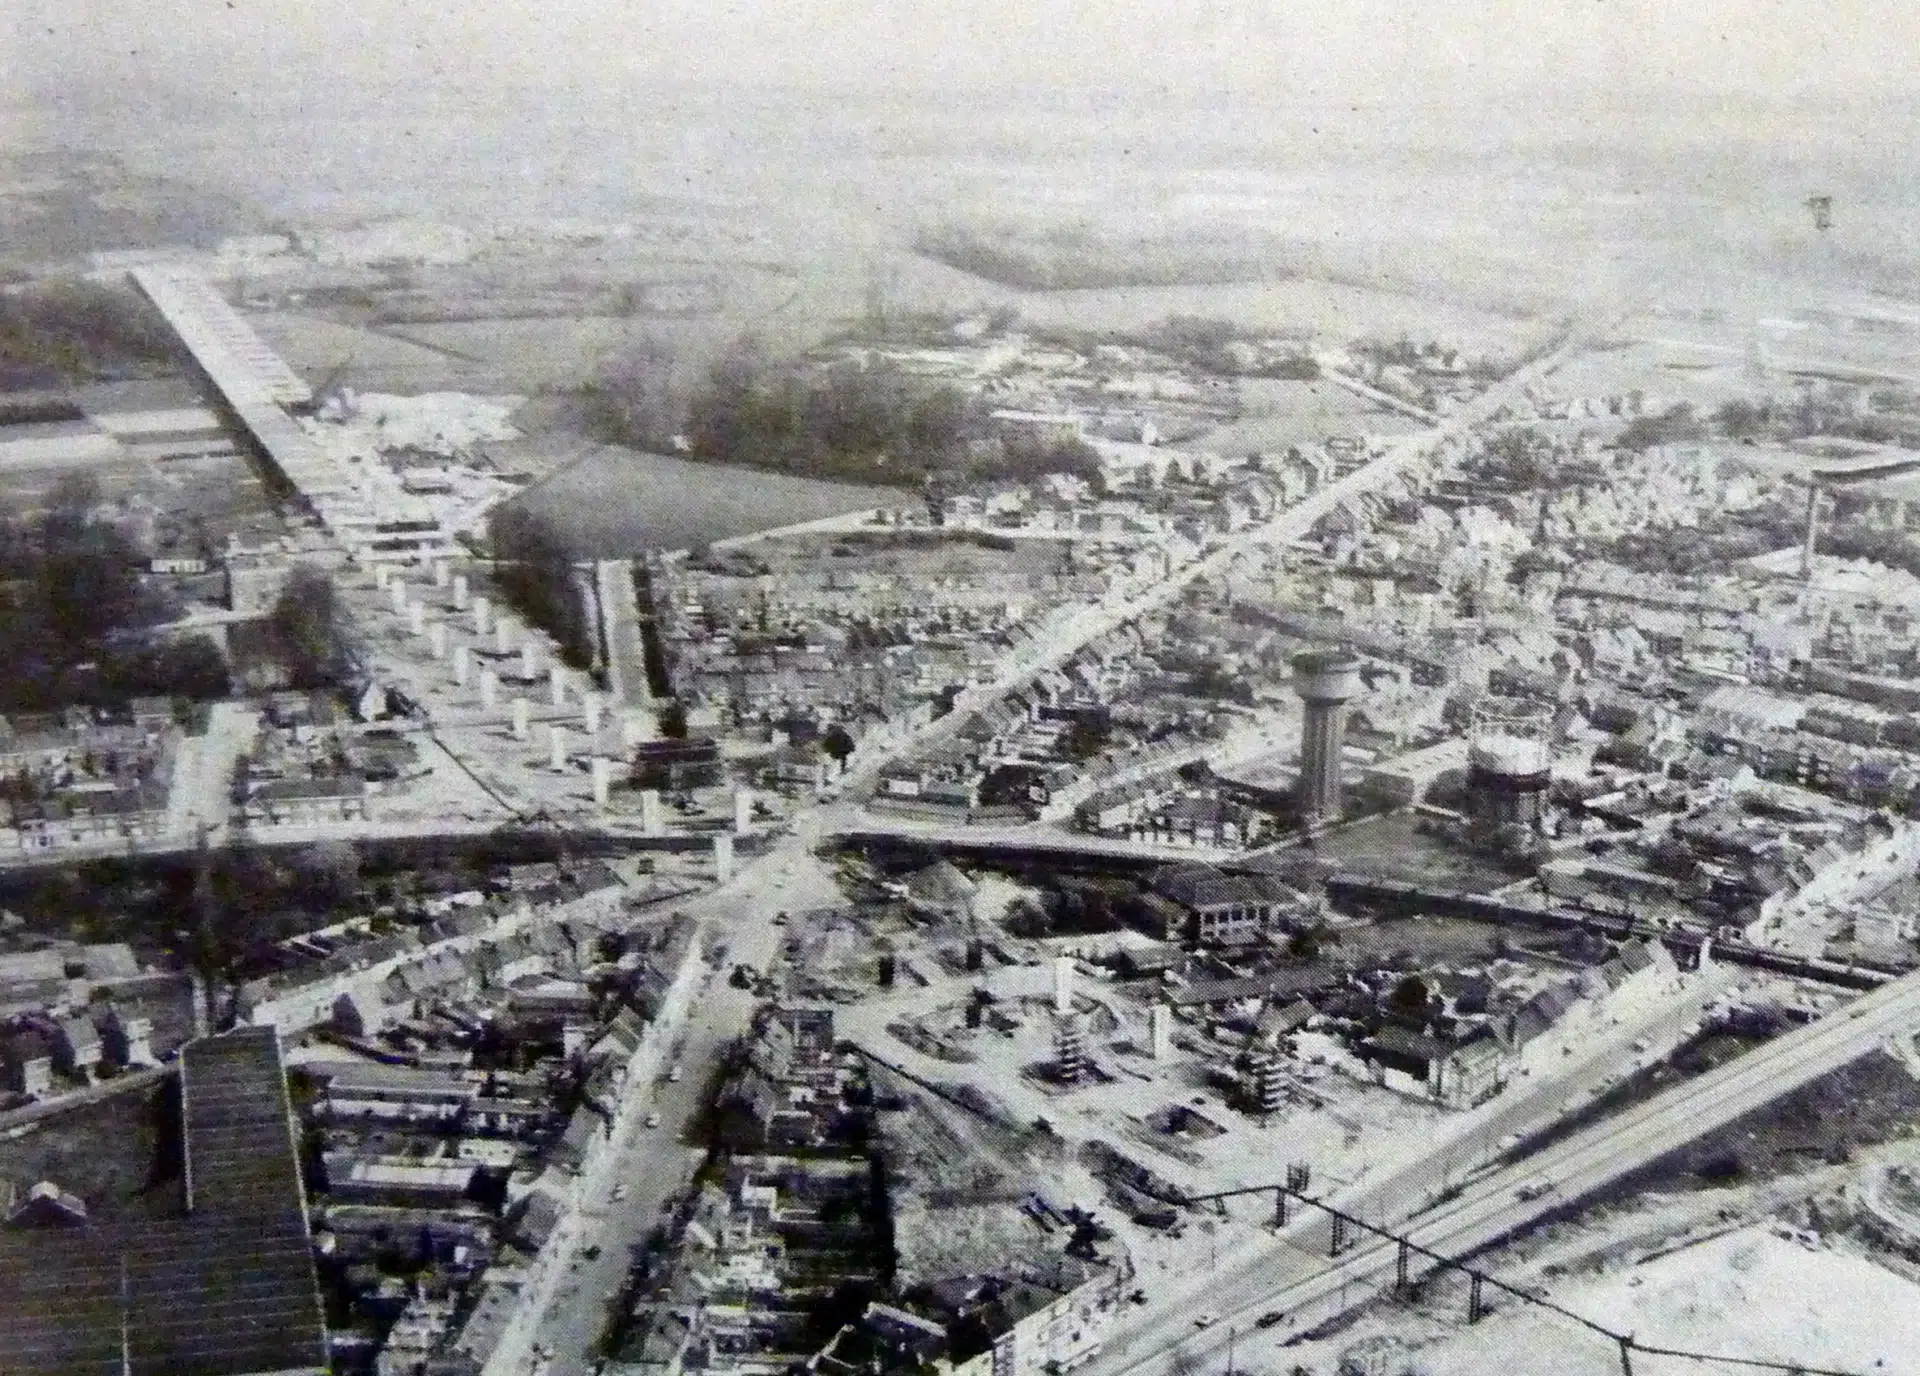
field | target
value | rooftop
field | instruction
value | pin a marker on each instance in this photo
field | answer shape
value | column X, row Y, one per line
column 227, row 1289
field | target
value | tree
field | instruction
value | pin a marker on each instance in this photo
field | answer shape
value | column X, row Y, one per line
column 534, row 573
column 837, row 743
column 328, row 873
column 1741, row 420
column 306, row 623
column 673, row 720
column 88, row 581
column 639, row 398
column 1410, row 997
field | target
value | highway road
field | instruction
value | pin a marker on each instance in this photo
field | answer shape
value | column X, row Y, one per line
column 1296, row 1277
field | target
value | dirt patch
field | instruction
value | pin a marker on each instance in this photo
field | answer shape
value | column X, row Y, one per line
column 120, row 1155
column 1872, row 1101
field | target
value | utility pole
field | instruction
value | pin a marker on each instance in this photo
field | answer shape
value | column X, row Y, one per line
column 126, row 1347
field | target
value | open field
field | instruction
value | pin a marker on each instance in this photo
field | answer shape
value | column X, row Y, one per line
column 1277, row 413
column 619, row 503
column 314, row 346
column 1393, row 847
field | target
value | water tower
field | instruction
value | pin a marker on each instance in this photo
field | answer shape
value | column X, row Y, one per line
column 1509, row 769
column 1326, row 680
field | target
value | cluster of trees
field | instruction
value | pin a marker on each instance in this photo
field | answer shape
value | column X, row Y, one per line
column 1079, row 907
column 1026, row 461
column 246, row 898
column 1202, row 344
column 79, row 332
column 1890, row 547
column 76, row 625
column 1519, row 457
column 1077, row 257
column 846, row 422
column 306, row 626
column 1811, row 413
column 534, row 573
column 1678, row 424
column 863, row 424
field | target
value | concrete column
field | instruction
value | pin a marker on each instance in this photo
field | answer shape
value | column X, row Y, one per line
column 442, row 573
column 417, row 618
column 397, row 591
column 462, row 659
column 557, row 746
column 380, row 574
column 591, row 705
column 489, row 690
column 1160, row 1031
column 481, row 609
column 437, row 639
column 723, row 858
column 1063, row 984
column 650, row 812
column 742, row 811
column 602, row 780
column 460, row 590
column 529, row 660
column 502, row 636
column 557, row 682
column 520, row 723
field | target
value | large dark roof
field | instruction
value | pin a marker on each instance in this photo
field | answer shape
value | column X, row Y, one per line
column 228, row 1289
column 1201, row 886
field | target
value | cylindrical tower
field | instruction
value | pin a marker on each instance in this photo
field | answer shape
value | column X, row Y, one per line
column 1510, row 764
column 1326, row 680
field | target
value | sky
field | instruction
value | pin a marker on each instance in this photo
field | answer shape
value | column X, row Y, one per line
column 1329, row 52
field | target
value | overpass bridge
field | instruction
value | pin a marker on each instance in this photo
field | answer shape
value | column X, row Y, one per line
column 365, row 510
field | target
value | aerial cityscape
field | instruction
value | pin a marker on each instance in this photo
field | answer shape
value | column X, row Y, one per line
column 959, row 694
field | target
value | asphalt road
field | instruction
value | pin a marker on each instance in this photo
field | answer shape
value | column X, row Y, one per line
column 1297, row 1276
column 655, row 1164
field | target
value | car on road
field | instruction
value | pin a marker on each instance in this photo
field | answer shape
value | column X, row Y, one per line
column 1206, row 1318
column 653, row 1120
column 1534, row 1188
column 1269, row 1319
column 619, row 1193
column 673, row 1075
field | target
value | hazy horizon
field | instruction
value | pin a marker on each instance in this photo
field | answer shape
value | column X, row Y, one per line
column 1552, row 57
column 1540, row 144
